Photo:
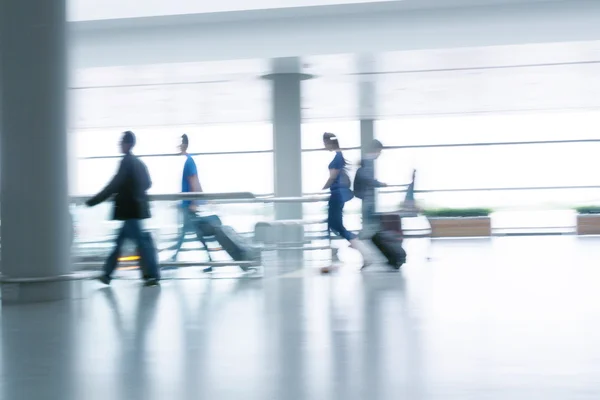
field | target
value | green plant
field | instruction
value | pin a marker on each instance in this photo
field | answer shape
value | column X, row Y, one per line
column 458, row 212
column 588, row 210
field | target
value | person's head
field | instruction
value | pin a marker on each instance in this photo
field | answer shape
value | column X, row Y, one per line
column 185, row 142
column 331, row 141
column 127, row 142
column 376, row 148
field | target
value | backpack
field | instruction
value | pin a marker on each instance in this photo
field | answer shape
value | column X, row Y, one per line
column 360, row 183
column 344, row 186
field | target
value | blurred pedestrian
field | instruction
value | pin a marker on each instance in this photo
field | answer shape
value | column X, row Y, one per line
column 129, row 187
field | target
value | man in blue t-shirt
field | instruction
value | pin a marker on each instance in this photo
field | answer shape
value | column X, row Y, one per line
column 190, row 183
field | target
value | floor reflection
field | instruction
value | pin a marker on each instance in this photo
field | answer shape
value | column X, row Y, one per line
column 507, row 318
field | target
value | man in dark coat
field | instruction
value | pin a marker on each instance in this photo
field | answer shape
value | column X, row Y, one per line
column 129, row 188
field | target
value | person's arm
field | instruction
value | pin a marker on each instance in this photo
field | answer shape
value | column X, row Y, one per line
column 370, row 172
column 333, row 173
column 194, row 182
column 112, row 187
column 191, row 173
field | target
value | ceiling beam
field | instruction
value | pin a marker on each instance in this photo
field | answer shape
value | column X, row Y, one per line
column 185, row 39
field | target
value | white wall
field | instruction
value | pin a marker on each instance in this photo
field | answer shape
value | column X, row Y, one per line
column 328, row 34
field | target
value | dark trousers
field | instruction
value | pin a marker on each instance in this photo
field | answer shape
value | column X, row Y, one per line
column 335, row 218
column 132, row 230
column 368, row 213
column 190, row 224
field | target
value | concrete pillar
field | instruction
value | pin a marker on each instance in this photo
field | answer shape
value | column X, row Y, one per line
column 367, row 134
column 287, row 78
column 33, row 150
column 367, row 101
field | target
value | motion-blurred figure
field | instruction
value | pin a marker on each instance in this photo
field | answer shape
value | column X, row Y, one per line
column 129, row 187
column 339, row 185
column 190, row 183
column 364, row 188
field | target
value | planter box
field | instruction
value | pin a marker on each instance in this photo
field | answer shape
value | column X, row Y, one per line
column 460, row 227
column 588, row 224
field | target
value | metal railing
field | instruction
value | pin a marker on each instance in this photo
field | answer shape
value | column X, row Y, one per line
column 316, row 197
column 249, row 198
column 222, row 198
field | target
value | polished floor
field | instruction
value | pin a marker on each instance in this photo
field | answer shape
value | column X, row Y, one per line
column 502, row 318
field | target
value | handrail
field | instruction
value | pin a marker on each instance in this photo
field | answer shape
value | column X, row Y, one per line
column 248, row 198
column 220, row 198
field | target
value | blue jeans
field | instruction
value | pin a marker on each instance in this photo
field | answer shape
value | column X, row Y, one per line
column 335, row 218
column 132, row 230
column 190, row 221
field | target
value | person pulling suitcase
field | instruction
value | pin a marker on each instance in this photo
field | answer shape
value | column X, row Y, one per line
column 389, row 243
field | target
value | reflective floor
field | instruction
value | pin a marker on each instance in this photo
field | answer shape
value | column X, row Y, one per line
column 502, row 318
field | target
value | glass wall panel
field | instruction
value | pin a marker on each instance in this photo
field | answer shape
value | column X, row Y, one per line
column 492, row 166
column 432, row 130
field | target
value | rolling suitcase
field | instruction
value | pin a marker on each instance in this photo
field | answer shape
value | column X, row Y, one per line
column 208, row 224
column 390, row 245
column 238, row 247
column 391, row 222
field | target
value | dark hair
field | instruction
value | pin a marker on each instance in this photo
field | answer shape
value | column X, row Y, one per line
column 185, row 140
column 129, row 138
column 376, row 145
column 330, row 138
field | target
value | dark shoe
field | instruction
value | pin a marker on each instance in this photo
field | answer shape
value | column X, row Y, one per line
column 104, row 279
column 151, row 282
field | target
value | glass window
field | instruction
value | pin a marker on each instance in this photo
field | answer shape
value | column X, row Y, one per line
column 236, row 173
column 543, row 165
column 217, row 173
column 166, row 173
column 93, row 175
column 230, row 138
column 430, row 130
column 494, row 166
column 166, row 140
column 97, row 143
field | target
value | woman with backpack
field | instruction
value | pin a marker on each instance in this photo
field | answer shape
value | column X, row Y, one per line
column 339, row 185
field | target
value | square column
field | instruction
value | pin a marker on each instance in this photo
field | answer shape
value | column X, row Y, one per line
column 287, row 134
column 367, row 100
column 35, row 228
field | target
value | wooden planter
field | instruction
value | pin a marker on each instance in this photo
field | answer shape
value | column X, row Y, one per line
column 460, row 227
column 588, row 224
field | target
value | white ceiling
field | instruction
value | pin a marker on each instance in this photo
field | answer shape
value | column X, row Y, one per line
column 489, row 79
column 89, row 10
